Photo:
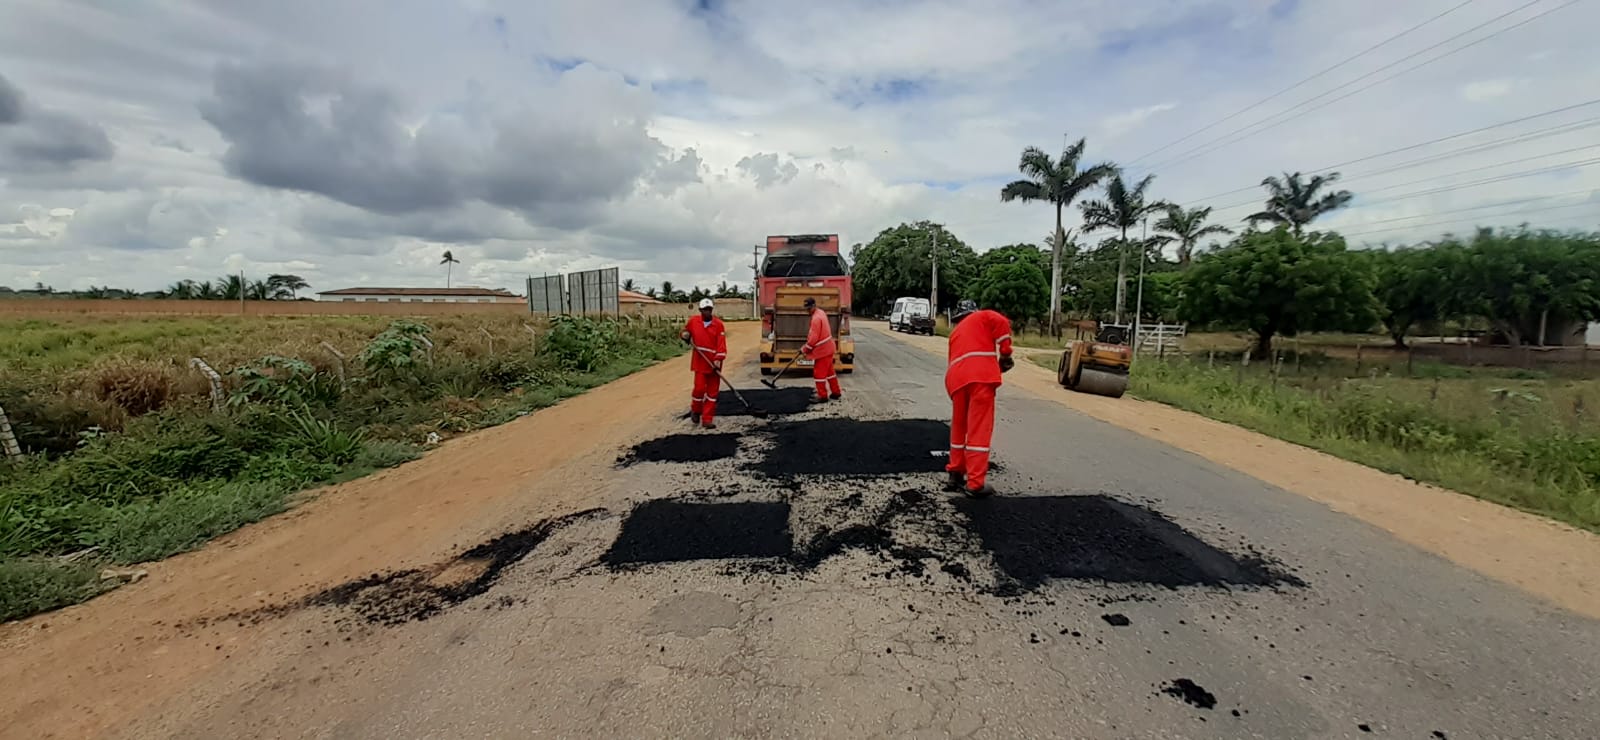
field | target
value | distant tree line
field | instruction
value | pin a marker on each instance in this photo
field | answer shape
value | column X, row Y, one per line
column 225, row 288
column 668, row 293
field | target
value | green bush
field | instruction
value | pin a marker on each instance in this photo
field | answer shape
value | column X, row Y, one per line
column 33, row 585
column 580, row 343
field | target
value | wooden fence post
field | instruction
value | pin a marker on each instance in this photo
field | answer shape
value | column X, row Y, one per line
column 217, row 400
column 1411, row 353
column 1211, row 358
column 1277, row 364
column 490, row 337
column 1358, row 357
column 8, row 440
column 338, row 363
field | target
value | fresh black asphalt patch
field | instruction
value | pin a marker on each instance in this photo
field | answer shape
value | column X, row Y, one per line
column 1191, row 693
column 1036, row 539
column 665, row 531
column 418, row 594
column 775, row 402
column 834, row 446
column 683, row 448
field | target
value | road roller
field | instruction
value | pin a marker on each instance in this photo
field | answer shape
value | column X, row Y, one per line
column 1098, row 365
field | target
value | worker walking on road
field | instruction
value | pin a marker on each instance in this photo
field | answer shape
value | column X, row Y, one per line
column 819, row 348
column 708, row 339
column 980, row 350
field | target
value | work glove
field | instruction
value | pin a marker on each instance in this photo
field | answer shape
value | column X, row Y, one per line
column 1006, row 363
column 684, row 336
column 717, row 364
column 806, row 350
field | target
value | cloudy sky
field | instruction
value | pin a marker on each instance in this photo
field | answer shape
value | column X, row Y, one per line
column 353, row 141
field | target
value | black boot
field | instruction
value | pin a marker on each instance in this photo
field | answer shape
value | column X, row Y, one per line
column 834, row 396
column 954, row 482
column 983, row 491
column 817, row 399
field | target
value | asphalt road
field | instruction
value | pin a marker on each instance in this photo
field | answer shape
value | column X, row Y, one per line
column 899, row 610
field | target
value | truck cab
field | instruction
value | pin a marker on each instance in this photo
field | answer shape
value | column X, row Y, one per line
column 795, row 268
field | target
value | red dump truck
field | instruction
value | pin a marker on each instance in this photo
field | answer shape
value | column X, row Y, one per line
column 797, row 267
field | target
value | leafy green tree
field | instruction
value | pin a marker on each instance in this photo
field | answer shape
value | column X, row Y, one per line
column 258, row 290
column 286, row 286
column 1525, row 281
column 1058, row 182
column 1295, row 202
column 1122, row 209
column 1188, row 228
column 1016, row 289
column 1413, row 285
column 1013, row 253
column 898, row 262
column 1275, row 282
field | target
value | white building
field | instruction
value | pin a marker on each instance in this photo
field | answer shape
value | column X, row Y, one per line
column 420, row 295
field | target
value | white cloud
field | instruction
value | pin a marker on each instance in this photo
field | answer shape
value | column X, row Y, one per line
column 541, row 136
column 1486, row 90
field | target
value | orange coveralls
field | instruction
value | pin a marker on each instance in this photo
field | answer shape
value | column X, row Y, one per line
column 710, row 343
column 820, row 347
column 976, row 346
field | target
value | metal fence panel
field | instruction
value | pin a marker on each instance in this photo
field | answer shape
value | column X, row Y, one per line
column 546, row 295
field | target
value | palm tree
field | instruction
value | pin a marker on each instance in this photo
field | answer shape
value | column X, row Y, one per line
column 1059, row 182
column 1122, row 209
column 1188, row 228
column 650, row 292
column 449, row 261
column 627, row 284
column 183, row 290
column 232, row 287
column 258, row 290
column 667, row 294
column 206, row 291
column 1294, row 203
column 289, row 285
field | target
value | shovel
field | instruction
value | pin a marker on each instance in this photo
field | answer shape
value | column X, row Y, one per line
column 773, row 383
column 758, row 413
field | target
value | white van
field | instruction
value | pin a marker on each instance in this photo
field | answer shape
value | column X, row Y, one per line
column 913, row 315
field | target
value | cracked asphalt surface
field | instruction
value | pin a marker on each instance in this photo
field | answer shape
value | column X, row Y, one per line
column 917, row 635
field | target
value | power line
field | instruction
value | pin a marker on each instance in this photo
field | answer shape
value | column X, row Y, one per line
column 1513, row 139
column 1463, row 220
column 1501, row 204
column 1498, row 178
column 1275, row 95
column 1480, row 169
column 1225, row 139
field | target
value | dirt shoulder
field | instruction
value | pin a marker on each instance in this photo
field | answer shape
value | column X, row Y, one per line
column 1556, row 562
column 84, row 669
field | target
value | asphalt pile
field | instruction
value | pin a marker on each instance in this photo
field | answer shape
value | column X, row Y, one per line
column 1035, row 539
column 1191, row 693
column 664, row 531
column 768, row 401
column 834, row 446
column 683, row 448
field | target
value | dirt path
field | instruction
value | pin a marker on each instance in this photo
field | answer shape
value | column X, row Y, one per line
column 81, row 670
column 1551, row 560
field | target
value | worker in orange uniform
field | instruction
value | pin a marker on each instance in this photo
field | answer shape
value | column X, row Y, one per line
column 980, row 350
column 819, row 348
column 708, row 339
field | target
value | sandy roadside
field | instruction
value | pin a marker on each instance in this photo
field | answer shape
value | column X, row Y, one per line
column 82, row 670
column 1553, row 561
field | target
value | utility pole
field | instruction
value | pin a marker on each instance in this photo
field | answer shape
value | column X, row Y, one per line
column 755, row 287
column 1138, row 304
column 933, row 296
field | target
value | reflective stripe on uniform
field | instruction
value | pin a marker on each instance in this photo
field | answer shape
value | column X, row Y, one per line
column 958, row 447
column 825, row 341
column 977, row 449
column 972, row 354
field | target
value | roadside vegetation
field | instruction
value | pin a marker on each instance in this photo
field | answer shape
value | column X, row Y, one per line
column 131, row 457
column 1292, row 332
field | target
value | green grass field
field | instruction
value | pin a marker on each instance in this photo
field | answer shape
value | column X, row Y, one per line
column 128, row 460
column 1515, row 437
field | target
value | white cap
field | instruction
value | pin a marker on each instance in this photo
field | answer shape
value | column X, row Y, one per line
column 705, row 303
